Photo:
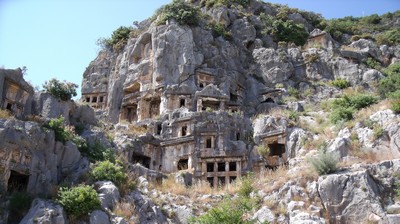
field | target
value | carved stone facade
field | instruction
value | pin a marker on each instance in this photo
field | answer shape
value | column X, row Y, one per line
column 196, row 116
column 15, row 92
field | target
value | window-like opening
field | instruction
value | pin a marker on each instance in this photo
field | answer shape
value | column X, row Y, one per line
column 155, row 107
column 88, row 99
column 182, row 103
column 210, row 167
column 9, row 106
column 233, row 97
column 94, row 99
column 131, row 113
column 184, row 131
column 101, row 99
column 237, row 136
column 276, row 149
column 201, row 85
column 221, row 181
column 221, row 167
column 269, row 100
column 208, row 143
column 17, row 182
column 210, row 180
column 232, row 179
column 232, row 166
column 143, row 160
column 183, row 164
column 212, row 104
column 159, row 129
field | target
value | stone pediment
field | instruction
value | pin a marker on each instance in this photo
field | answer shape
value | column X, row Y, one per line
column 211, row 91
column 179, row 90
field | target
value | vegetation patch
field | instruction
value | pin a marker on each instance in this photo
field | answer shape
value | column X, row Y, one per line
column 106, row 170
column 61, row 90
column 179, row 10
column 215, row 3
column 344, row 108
column 324, row 162
column 20, row 203
column 78, row 201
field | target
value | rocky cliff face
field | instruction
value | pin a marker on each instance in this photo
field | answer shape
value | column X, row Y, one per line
column 207, row 97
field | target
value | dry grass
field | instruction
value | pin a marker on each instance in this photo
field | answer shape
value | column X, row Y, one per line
column 169, row 185
column 5, row 114
column 365, row 113
column 35, row 118
column 125, row 210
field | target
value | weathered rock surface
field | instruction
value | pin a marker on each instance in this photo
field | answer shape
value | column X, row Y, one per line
column 46, row 212
column 99, row 217
column 108, row 194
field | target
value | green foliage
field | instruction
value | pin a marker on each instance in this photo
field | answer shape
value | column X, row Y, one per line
column 391, row 83
column 281, row 30
column 182, row 12
column 340, row 83
column 107, row 170
column 78, row 200
column 346, row 106
column 395, row 96
column 378, row 131
column 389, row 37
column 324, row 163
column 64, row 133
column 118, row 39
column 372, row 63
column 337, row 27
column 61, row 90
column 219, row 29
column 341, row 114
column 215, row 3
column 98, row 152
column 263, row 150
column 293, row 92
column 20, row 203
column 246, row 186
column 372, row 19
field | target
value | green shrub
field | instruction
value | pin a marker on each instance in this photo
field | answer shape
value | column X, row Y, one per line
column 395, row 96
column 372, row 19
column 391, row 83
column 340, row 83
column 287, row 31
column 106, row 170
column 215, row 3
column 389, row 37
column 64, row 133
column 20, row 203
column 372, row 63
column 325, row 162
column 337, row 27
column 293, row 92
column 229, row 211
column 378, row 131
column 346, row 106
column 219, row 29
column 97, row 152
column 61, row 90
column 246, row 186
column 118, row 39
column 263, row 150
column 182, row 12
column 78, row 200
column 341, row 114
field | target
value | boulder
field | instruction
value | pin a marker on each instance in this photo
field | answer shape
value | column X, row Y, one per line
column 108, row 194
column 264, row 215
column 99, row 217
column 46, row 212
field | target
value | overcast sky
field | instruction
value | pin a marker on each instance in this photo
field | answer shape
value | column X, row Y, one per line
column 57, row 38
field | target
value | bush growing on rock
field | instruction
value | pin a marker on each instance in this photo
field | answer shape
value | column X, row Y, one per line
column 324, row 162
column 391, row 83
column 347, row 105
column 107, row 170
column 118, row 39
column 179, row 10
column 340, row 83
column 61, row 90
column 78, row 200
column 216, row 3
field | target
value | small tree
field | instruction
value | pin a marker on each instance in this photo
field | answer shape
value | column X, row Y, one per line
column 325, row 162
column 78, row 200
column 61, row 90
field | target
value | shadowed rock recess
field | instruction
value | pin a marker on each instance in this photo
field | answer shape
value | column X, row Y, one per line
column 208, row 99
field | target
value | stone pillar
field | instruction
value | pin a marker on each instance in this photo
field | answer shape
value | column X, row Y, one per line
column 199, row 105
column 222, row 105
column 239, row 168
